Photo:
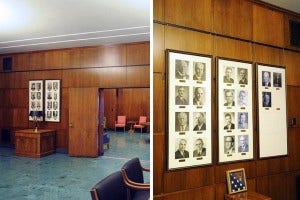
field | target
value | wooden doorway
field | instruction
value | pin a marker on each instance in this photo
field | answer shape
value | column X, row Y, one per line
column 84, row 139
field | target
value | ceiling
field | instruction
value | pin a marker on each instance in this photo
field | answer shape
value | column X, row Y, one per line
column 292, row 5
column 29, row 25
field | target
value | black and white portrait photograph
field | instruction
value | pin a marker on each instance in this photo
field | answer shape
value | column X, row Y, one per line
column 235, row 108
column 199, row 148
column 199, row 71
column 229, row 97
column 243, row 143
column 242, row 98
column 52, row 100
column 266, row 99
column 266, row 79
column 182, row 121
column 181, row 151
column 277, row 79
column 272, row 109
column 242, row 120
column 182, row 69
column 189, row 109
column 182, row 95
column 229, row 121
column 229, row 144
column 199, row 96
column 243, row 76
column 199, row 121
column 228, row 74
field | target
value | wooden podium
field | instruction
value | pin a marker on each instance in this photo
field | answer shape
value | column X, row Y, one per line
column 29, row 143
column 246, row 196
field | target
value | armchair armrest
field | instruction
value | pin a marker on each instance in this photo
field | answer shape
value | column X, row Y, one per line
column 134, row 185
column 145, row 169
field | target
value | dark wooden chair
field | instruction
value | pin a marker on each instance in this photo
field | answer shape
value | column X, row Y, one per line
column 133, row 177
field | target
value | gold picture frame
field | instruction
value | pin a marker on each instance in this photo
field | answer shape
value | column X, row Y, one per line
column 236, row 180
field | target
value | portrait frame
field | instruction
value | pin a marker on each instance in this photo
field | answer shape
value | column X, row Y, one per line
column 235, row 109
column 236, row 181
column 189, row 128
column 52, row 100
column 36, row 95
column 271, row 94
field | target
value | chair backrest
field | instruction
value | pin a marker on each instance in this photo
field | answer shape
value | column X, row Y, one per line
column 121, row 120
column 110, row 188
column 142, row 119
column 134, row 170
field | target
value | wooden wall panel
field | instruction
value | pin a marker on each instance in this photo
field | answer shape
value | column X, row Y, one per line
column 272, row 166
column 233, row 18
column 158, row 10
column 230, row 48
column 158, row 48
column 182, row 179
column 110, row 107
column 90, row 57
column 71, row 58
column 159, row 105
column 18, row 116
column 102, row 77
column 22, row 80
column 158, row 162
column 294, row 149
column 21, row 62
column 273, row 186
column 36, row 61
column 186, row 40
column 18, row 98
column 133, row 103
column 138, row 76
column 293, row 99
column 114, row 55
column 194, row 14
column 138, row 54
column 53, row 59
column 267, row 55
column 62, row 139
column 291, row 62
column 268, row 26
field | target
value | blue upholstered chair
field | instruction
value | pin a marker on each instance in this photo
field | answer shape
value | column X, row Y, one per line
column 106, row 139
column 133, row 177
column 110, row 188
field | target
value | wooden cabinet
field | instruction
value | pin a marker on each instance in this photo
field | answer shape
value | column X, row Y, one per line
column 247, row 196
column 29, row 143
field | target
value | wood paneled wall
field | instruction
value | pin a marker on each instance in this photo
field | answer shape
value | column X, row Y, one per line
column 239, row 29
column 124, row 66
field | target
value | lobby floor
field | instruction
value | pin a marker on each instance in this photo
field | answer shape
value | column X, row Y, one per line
column 59, row 176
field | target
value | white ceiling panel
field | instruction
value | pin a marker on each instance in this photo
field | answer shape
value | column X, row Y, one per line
column 28, row 25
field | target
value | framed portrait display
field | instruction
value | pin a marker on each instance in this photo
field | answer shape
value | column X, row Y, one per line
column 235, row 117
column 272, row 119
column 36, row 99
column 52, row 100
column 188, row 109
column 236, row 181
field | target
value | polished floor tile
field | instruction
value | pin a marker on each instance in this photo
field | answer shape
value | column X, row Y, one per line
column 59, row 176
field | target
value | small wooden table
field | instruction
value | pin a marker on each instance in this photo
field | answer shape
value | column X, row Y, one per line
column 29, row 143
column 131, row 123
column 246, row 196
